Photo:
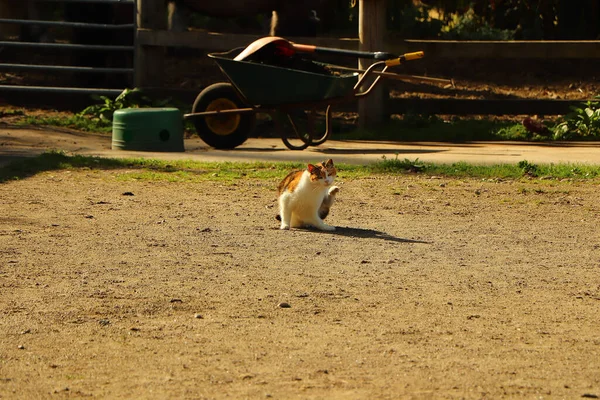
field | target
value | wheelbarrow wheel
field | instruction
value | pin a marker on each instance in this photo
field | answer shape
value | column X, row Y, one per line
column 222, row 131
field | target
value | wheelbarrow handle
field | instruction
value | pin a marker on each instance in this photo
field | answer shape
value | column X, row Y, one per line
column 405, row 57
column 377, row 55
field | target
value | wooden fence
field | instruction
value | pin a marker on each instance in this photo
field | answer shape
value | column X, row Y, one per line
column 441, row 50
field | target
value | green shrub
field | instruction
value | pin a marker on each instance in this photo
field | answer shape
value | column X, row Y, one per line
column 410, row 21
column 528, row 168
column 470, row 26
column 582, row 123
column 129, row 98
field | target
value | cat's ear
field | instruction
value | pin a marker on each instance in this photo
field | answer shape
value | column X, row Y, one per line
column 311, row 168
column 329, row 163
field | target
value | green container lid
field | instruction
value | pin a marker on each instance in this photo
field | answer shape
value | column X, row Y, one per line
column 148, row 129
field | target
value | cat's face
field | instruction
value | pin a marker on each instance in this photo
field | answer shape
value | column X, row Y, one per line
column 324, row 172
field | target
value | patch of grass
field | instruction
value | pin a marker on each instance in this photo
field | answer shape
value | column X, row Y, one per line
column 501, row 171
column 419, row 128
column 514, row 132
column 11, row 113
column 192, row 171
column 78, row 122
column 157, row 170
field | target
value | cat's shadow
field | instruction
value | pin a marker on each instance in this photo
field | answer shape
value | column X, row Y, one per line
column 363, row 233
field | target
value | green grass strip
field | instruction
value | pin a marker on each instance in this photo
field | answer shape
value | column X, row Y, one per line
column 191, row 171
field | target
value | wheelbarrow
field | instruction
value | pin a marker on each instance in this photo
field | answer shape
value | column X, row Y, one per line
column 271, row 76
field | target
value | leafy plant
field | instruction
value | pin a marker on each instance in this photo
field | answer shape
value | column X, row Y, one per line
column 471, row 26
column 529, row 168
column 129, row 98
column 412, row 21
column 395, row 164
column 582, row 123
column 513, row 132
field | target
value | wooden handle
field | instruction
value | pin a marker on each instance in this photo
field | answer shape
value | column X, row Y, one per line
column 405, row 57
column 304, row 48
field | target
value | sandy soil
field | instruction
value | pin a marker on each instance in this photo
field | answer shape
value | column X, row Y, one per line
column 112, row 287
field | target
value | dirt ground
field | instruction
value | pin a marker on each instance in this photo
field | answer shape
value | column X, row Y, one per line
column 115, row 287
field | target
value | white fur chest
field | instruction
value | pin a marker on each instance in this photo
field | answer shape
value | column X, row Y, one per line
column 307, row 197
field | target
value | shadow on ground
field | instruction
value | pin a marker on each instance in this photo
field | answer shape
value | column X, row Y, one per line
column 15, row 166
column 362, row 233
column 372, row 234
column 377, row 151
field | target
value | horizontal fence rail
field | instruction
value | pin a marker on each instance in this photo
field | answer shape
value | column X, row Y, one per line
column 221, row 42
column 66, row 24
column 67, row 46
column 545, row 49
column 65, row 68
column 90, row 1
column 60, row 90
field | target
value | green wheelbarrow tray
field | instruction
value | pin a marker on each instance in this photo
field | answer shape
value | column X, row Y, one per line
column 287, row 87
column 267, row 85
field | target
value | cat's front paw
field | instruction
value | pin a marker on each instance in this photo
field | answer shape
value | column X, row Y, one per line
column 334, row 190
column 328, row 228
column 284, row 227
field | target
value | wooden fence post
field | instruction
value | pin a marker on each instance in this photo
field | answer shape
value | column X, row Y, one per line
column 371, row 34
column 149, row 60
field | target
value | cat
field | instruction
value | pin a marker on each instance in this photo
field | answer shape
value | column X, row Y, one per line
column 305, row 197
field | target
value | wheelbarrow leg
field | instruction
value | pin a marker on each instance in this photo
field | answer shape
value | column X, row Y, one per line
column 285, row 124
column 325, row 136
column 306, row 136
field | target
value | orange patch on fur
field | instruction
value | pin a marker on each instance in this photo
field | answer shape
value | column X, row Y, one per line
column 290, row 182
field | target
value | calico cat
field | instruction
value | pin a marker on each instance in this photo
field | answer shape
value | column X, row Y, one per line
column 305, row 197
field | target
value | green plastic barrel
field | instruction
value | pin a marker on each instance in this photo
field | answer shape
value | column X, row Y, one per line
column 147, row 129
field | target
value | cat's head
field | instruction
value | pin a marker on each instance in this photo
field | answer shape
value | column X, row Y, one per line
column 324, row 172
